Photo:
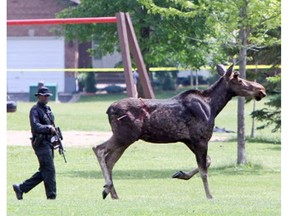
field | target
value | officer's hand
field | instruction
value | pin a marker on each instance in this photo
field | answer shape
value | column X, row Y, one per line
column 52, row 130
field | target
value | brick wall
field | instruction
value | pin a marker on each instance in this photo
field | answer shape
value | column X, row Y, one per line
column 34, row 9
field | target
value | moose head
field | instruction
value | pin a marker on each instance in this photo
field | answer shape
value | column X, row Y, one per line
column 239, row 86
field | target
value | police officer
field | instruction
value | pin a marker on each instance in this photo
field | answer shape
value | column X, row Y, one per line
column 42, row 128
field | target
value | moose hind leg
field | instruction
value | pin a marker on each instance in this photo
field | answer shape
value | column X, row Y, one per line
column 187, row 175
column 102, row 152
column 111, row 160
column 108, row 154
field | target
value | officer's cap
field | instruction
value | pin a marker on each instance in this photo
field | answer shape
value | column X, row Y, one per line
column 44, row 91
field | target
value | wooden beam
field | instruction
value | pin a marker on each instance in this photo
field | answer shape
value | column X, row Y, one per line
column 136, row 53
column 58, row 21
column 126, row 59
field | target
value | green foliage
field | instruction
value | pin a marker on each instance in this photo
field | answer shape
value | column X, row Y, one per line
column 166, row 80
column 81, row 80
column 163, row 40
column 87, row 82
column 272, row 114
column 224, row 19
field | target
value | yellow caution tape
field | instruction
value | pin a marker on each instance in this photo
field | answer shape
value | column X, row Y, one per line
column 153, row 69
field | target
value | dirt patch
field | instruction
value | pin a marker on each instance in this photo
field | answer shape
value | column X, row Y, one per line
column 75, row 138
column 70, row 138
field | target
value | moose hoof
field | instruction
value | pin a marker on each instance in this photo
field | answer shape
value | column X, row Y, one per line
column 180, row 175
column 210, row 197
column 104, row 194
column 114, row 196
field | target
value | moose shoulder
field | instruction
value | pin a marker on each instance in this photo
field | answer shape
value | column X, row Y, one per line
column 187, row 117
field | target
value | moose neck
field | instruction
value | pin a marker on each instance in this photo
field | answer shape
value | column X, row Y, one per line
column 218, row 95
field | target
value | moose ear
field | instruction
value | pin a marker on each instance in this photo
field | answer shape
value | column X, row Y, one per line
column 221, row 69
column 236, row 75
column 229, row 71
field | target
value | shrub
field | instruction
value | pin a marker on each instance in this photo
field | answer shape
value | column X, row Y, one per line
column 90, row 82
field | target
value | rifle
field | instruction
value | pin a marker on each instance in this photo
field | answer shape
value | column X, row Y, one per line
column 57, row 143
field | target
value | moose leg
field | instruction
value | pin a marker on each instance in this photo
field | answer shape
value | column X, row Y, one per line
column 108, row 154
column 201, row 157
column 101, row 152
column 187, row 175
column 111, row 161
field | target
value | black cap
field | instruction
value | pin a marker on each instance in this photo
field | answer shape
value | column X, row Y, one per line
column 44, row 91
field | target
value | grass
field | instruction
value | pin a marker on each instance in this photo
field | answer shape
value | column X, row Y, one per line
column 143, row 180
column 142, row 176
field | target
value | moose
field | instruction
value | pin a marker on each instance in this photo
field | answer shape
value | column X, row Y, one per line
column 187, row 117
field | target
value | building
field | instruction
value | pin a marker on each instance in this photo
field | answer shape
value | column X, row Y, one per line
column 38, row 47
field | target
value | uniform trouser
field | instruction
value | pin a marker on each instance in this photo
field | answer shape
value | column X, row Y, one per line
column 45, row 173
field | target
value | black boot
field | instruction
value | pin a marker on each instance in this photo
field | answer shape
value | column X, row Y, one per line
column 18, row 192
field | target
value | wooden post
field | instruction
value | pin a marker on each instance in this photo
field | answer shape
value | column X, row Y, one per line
column 122, row 32
column 136, row 53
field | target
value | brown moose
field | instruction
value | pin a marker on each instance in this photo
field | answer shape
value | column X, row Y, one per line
column 187, row 117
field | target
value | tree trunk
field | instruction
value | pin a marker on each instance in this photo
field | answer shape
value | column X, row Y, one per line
column 196, row 80
column 253, row 120
column 241, row 154
column 241, row 149
column 243, row 36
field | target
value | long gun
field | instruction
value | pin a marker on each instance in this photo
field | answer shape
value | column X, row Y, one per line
column 59, row 143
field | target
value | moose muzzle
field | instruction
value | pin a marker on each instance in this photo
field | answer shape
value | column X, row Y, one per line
column 261, row 93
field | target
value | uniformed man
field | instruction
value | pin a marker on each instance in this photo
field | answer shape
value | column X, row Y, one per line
column 42, row 128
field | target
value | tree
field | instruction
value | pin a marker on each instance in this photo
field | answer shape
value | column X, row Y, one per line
column 163, row 39
column 90, row 82
column 241, row 24
column 272, row 114
column 189, row 33
column 249, row 25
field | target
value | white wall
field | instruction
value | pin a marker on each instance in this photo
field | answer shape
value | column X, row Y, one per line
column 34, row 53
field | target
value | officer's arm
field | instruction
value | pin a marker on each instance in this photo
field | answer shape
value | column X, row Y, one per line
column 36, row 126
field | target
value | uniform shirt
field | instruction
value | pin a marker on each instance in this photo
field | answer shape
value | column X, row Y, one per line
column 41, row 119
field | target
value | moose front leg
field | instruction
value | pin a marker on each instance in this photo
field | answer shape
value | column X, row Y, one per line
column 201, row 157
column 187, row 175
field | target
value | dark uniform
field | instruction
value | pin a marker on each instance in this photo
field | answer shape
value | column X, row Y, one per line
column 41, row 121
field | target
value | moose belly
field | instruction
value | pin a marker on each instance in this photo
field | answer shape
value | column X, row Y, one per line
column 170, row 128
column 164, row 127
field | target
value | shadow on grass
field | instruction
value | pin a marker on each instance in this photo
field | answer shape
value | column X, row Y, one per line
column 122, row 174
column 245, row 169
column 275, row 148
column 261, row 140
column 229, row 170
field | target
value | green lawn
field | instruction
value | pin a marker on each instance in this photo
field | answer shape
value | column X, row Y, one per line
column 143, row 180
column 142, row 177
